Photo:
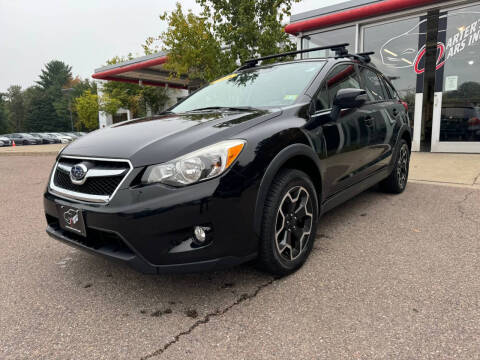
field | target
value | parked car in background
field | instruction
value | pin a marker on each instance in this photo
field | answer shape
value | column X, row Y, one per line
column 5, row 141
column 23, row 139
column 71, row 134
column 80, row 133
column 46, row 139
column 39, row 139
column 64, row 139
column 460, row 123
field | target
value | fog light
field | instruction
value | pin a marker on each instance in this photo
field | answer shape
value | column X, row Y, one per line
column 201, row 234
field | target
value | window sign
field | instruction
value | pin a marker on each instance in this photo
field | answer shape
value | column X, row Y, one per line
column 451, row 83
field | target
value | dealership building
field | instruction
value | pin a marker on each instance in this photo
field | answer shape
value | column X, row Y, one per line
column 145, row 70
column 430, row 50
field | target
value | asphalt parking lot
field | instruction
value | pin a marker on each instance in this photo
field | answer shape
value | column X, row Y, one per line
column 390, row 277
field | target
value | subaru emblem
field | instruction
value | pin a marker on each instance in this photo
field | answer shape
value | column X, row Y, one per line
column 77, row 174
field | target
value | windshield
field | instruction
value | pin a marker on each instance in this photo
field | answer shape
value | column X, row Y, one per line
column 272, row 86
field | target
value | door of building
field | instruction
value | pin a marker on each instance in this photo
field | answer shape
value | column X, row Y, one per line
column 456, row 114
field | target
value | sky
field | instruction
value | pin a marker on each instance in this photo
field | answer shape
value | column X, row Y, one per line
column 81, row 33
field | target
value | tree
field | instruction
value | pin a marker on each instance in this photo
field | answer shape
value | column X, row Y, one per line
column 41, row 114
column 87, row 107
column 4, row 124
column 48, row 106
column 110, row 104
column 16, row 108
column 224, row 35
column 56, row 74
column 65, row 104
column 153, row 97
column 192, row 47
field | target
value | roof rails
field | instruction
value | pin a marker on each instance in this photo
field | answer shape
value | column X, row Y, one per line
column 339, row 49
column 363, row 57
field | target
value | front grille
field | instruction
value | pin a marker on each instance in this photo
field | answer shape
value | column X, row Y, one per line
column 102, row 179
column 93, row 186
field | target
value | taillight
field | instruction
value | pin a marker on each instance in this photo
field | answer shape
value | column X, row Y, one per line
column 474, row 121
column 405, row 105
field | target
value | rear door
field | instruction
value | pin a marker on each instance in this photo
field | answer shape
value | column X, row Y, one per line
column 345, row 140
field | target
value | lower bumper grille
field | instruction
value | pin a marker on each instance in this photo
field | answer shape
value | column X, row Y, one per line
column 96, row 240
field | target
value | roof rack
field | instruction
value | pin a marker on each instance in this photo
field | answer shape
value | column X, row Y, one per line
column 363, row 57
column 339, row 49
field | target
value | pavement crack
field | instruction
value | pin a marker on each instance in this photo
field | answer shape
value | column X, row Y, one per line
column 476, row 179
column 462, row 211
column 208, row 317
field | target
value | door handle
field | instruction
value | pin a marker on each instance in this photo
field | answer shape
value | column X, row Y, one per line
column 368, row 121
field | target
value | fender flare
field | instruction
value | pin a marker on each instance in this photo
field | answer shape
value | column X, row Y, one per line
column 404, row 129
column 275, row 165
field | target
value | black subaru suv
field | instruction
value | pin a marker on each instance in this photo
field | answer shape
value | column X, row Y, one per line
column 239, row 170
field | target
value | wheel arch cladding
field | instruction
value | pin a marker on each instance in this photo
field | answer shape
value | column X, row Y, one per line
column 407, row 137
column 296, row 156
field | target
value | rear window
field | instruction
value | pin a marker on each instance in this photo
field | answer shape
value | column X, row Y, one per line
column 391, row 92
column 373, row 85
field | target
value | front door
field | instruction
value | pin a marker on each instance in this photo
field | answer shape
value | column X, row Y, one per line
column 347, row 138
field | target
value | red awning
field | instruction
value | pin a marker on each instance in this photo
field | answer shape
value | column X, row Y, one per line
column 355, row 14
column 147, row 69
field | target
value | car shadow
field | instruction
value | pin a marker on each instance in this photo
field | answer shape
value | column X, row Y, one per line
column 194, row 294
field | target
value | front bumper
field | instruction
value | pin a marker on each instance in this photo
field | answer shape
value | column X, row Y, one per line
column 151, row 227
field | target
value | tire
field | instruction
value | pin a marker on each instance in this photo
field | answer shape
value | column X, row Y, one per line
column 396, row 182
column 293, row 223
column 25, row 142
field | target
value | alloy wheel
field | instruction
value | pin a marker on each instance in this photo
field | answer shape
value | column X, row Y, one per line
column 402, row 166
column 294, row 223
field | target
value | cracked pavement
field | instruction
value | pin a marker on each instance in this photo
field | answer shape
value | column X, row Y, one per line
column 389, row 277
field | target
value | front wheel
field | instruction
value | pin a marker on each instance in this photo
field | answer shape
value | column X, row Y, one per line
column 397, row 180
column 289, row 223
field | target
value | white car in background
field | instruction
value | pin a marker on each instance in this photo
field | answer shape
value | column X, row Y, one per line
column 4, row 141
column 64, row 139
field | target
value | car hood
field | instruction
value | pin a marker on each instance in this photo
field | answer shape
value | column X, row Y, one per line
column 162, row 138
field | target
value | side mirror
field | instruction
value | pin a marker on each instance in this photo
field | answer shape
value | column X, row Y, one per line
column 350, row 98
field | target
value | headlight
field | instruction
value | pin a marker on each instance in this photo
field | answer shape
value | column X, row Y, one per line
column 199, row 165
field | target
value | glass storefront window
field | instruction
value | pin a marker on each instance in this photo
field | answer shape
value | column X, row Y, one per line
column 396, row 45
column 337, row 36
column 459, row 42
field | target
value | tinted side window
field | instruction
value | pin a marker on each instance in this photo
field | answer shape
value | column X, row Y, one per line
column 373, row 86
column 322, row 101
column 393, row 93
column 341, row 77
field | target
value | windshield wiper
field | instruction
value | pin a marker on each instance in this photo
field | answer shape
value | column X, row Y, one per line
column 227, row 108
